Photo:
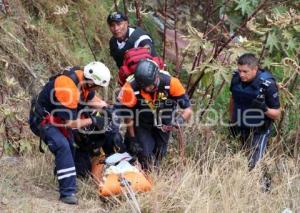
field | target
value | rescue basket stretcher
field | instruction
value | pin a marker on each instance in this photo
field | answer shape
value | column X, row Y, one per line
column 111, row 172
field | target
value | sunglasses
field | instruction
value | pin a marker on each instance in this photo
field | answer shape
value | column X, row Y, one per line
column 115, row 16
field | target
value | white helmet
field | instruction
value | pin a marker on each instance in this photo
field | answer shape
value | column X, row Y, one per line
column 98, row 73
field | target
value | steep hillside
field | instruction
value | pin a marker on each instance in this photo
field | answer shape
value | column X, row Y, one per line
column 38, row 38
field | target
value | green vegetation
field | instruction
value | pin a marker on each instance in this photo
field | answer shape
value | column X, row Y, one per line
column 41, row 37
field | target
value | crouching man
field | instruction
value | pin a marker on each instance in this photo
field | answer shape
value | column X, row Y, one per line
column 152, row 97
column 55, row 112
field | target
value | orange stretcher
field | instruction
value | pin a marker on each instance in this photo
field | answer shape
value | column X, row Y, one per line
column 110, row 177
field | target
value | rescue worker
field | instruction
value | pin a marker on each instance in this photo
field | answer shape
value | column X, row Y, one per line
column 254, row 105
column 151, row 97
column 56, row 111
column 90, row 141
column 125, row 37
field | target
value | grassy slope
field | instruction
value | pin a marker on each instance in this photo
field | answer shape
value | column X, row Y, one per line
column 47, row 42
column 222, row 184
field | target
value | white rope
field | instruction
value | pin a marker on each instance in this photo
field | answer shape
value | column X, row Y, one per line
column 128, row 190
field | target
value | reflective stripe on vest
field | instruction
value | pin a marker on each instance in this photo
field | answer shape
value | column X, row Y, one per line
column 117, row 53
column 161, row 102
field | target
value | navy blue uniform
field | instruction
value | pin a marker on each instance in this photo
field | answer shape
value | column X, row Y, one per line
column 147, row 109
column 252, row 124
column 60, row 100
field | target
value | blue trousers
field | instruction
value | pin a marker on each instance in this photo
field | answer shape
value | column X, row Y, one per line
column 154, row 143
column 256, row 142
column 63, row 150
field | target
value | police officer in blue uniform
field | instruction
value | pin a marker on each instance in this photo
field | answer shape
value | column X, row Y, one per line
column 254, row 105
column 125, row 37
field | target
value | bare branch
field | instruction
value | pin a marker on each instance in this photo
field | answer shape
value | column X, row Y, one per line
column 260, row 7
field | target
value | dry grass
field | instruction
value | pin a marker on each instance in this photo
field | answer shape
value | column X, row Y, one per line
column 195, row 186
column 213, row 179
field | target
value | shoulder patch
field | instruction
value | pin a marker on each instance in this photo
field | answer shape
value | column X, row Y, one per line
column 275, row 95
column 130, row 78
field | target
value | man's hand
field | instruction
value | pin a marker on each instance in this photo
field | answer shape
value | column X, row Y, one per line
column 98, row 121
column 259, row 103
column 179, row 121
column 97, row 103
column 102, row 104
column 134, row 146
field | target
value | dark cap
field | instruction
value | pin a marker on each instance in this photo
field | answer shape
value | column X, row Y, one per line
column 116, row 16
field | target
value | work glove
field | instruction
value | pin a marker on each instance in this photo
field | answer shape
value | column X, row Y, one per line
column 98, row 121
column 113, row 120
column 259, row 103
column 179, row 121
column 134, row 147
column 109, row 111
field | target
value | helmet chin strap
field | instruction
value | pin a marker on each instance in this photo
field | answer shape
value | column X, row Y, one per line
column 88, row 82
column 155, row 84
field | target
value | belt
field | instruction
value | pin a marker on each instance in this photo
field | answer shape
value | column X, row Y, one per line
column 57, row 122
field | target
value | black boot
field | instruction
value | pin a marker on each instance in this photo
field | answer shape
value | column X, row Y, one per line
column 69, row 200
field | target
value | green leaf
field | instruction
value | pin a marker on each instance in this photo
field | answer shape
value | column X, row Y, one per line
column 25, row 146
column 292, row 44
column 244, row 6
column 287, row 35
column 272, row 42
column 218, row 78
column 267, row 62
column 297, row 28
column 254, row 2
column 280, row 10
column 207, row 79
column 227, row 75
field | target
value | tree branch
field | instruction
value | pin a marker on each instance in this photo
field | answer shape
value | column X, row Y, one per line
column 260, row 7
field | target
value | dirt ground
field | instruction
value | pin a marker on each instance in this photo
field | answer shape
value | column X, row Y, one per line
column 23, row 189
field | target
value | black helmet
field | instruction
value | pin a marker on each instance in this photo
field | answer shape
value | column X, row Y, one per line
column 146, row 73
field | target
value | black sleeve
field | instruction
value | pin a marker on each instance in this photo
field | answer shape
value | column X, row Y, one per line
column 183, row 101
column 91, row 95
column 272, row 96
column 149, row 44
column 234, row 80
column 65, row 113
column 230, row 88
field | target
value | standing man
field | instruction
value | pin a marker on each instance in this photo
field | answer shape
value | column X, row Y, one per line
column 125, row 37
column 152, row 96
column 56, row 111
column 253, row 106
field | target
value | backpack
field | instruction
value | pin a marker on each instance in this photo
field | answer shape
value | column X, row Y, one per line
column 132, row 58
